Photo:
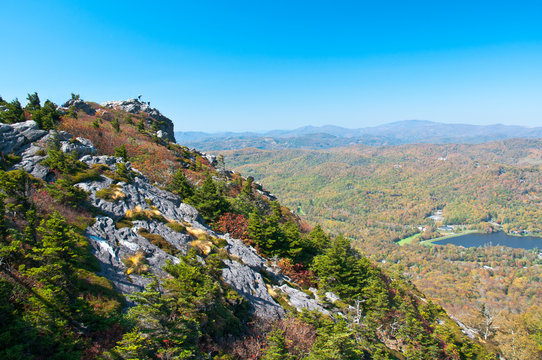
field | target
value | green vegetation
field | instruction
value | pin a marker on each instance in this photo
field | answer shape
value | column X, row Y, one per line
column 190, row 310
column 53, row 300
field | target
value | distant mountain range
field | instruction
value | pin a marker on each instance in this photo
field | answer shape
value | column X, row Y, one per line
column 329, row 136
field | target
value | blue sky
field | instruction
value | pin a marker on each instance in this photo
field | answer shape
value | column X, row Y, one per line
column 260, row 65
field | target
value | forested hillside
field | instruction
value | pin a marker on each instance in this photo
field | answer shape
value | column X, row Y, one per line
column 378, row 195
column 117, row 243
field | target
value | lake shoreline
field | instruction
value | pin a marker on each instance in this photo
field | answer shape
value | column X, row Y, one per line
column 501, row 236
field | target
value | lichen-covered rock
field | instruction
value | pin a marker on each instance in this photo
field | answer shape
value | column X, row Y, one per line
column 251, row 286
column 245, row 253
column 301, row 300
column 136, row 106
column 16, row 138
column 111, row 246
column 30, row 162
column 80, row 146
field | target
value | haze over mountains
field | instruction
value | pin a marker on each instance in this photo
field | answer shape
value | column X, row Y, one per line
column 329, row 136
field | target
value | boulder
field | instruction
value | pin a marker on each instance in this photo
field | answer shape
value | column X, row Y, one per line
column 247, row 254
column 16, row 138
column 80, row 146
column 79, row 105
column 301, row 300
column 251, row 286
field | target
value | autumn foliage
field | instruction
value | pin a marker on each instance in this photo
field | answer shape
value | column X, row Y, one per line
column 234, row 224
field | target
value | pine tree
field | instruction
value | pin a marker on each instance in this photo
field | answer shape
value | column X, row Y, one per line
column 121, row 152
column 208, row 201
column 14, row 113
column 336, row 343
column 255, row 228
column 180, row 185
column 33, row 102
column 276, row 347
column 341, row 270
column 247, row 188
column 319, row 238
column 116, row 125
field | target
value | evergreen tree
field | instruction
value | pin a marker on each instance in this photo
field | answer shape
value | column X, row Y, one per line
column 319, row 239
column 255, row 228
column 335, row 343
column 134, row 345
column 208, row 201
column 2, row 214
column 14, row 113
column 33, row 102
column 141, row 125
column 247, row 188
column 293, row 238
column 276, row 347
column 47, row 116
column 121, row 152
column 180, row 185
column 116, row 125
column 340, row 269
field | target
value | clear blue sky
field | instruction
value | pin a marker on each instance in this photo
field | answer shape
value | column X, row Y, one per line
column 258, row 65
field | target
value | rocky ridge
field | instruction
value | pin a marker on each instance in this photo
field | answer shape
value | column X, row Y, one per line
column 111, row 244
column 135, row 106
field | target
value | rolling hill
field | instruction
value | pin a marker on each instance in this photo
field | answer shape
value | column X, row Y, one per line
column 327, row 137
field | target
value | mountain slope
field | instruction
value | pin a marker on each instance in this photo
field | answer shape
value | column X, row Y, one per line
column 191, row 291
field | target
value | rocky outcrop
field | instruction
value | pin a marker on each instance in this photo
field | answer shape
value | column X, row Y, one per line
column 28, row 141
column 301, row 300
column 135, row 106
column 16, row 138
column 80, row 146
column 79, row 104
column 251, row 286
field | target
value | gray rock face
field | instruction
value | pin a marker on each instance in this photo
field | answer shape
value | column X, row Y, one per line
column 247, row 254
column 28, row 141
column 80, row 105
column 141, row 194
column 111, row 245
column 250, row 285
column 80, row 146
column 300, row 300
column 135, row 106
column 16, row 138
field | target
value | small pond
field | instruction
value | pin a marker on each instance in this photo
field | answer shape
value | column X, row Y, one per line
column 493, row 239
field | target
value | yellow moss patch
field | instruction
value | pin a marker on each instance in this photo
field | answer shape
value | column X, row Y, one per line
column 176, row 226
column 198, row 233
column 271, row 291
column 138, row 213
column 204, row 245
column 136, row 263
column 112, row 193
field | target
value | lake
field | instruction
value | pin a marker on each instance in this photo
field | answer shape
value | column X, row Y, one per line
column 493, row 239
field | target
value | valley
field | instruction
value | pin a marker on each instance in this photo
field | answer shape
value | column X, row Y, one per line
column 410, row 195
